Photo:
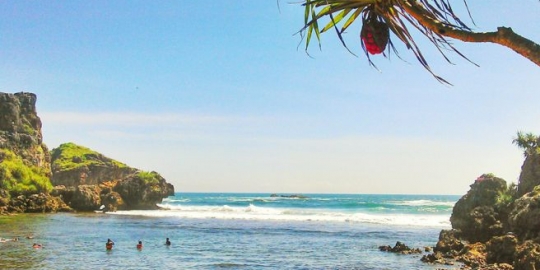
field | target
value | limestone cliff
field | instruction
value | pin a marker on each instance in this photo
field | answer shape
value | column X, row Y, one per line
column 87, row 179
column 495, row 226
column 74, row 165
column 24, row 158
column 530, row 174
column 20, row 130
column 83, row 178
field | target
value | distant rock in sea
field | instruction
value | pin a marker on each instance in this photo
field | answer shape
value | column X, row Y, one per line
column 296, row 196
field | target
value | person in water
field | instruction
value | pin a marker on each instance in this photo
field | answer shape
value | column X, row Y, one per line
column 139, row 245
column 167, row 242
column 36, row 245
column 109, row 245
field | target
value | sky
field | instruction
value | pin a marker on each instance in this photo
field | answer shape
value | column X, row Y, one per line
column 220, row 96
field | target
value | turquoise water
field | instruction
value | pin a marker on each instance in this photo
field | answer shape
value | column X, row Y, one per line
column 234, row 231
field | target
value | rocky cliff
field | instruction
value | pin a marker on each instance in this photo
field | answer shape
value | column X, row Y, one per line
column 20, row 130
column 495, row 226
column 83, row 178
column 73, row 165
column 530, row 173
column 87, row 180
column 24, row 158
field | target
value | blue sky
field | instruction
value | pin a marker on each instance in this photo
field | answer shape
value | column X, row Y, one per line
column 218, row 97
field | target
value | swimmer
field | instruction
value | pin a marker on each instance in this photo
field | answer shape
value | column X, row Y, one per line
column 3, row 240
column 167, row 242
column 36, row 245
column 139, row 245
column 109, row 245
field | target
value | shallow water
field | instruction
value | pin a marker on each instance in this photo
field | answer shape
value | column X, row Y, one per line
column 77, row 241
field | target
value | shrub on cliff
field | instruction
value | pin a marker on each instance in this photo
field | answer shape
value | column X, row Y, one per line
column 149, row 178
column 19, row 178
column 69, row 156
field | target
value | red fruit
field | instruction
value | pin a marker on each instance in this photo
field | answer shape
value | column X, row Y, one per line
column 375, row 35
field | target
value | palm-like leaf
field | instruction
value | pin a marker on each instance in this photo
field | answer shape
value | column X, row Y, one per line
column 397, row 14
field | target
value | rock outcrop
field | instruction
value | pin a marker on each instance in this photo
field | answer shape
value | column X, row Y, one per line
column 74, row 165
column 502, row 249
column 525, row 217
column 449, row 243
column 88, row 180
column 400, row 248
column 530, row 172
column 527, row 256
column 24, row 158
column 143, row 190
column 495, row 226
column 83, row 178
column 37, row 203
column 475, row 215
column 20, row 130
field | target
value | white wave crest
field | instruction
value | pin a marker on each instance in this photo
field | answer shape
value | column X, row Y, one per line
column 422, row 203
column 166, row 200
column 253, row 212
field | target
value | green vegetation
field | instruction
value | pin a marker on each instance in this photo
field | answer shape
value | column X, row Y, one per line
column 507, row 197
column 151, row 178
column 70, row 156
column 29, row 129
column 19, row 178
column 529, row 142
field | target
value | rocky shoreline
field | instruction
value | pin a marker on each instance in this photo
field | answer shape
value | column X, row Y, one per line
column 68, row 178
column 494, row 225
column 492, row 228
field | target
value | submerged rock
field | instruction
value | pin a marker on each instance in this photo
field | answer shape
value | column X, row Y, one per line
column 400, row 248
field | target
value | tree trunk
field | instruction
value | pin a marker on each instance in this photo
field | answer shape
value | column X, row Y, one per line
column 503, row 36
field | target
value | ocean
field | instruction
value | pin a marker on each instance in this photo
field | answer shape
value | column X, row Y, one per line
column 234, row 231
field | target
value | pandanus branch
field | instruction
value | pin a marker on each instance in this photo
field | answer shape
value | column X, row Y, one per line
column 504, row 36
column 435, row 19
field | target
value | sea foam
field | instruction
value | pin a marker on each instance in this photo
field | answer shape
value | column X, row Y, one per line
column 253, row 212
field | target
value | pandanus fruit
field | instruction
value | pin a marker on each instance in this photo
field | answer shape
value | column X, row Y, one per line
column 374, row 34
